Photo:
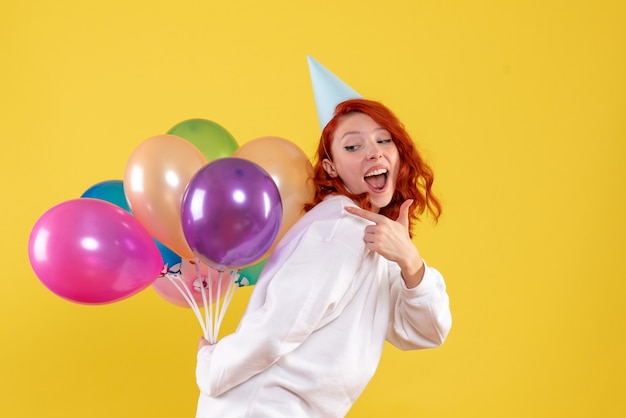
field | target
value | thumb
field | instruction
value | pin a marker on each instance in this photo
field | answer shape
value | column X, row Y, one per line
column 403, row 215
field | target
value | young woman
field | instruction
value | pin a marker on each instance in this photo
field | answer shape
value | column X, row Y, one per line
column 344, row 279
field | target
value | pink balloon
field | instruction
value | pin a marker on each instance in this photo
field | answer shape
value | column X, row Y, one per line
column 91, row 251
column 189, row 274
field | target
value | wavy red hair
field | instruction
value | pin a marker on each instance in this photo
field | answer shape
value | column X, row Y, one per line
column 415, row 177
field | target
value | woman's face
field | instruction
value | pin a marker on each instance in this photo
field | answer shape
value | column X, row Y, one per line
column 365, row 158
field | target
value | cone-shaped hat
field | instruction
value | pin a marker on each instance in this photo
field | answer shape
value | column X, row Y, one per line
column 328, row 90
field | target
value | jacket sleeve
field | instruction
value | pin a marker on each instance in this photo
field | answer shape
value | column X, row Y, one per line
column 298, row 300
column 420, row 317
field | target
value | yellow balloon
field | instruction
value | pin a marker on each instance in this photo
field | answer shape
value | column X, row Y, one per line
column 291, row 170
column 156, row 176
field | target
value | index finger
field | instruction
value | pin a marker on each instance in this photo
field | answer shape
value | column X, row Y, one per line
column 365, row 214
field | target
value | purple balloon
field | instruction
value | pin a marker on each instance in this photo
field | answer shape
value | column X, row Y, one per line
column 93, row 252
column 231, row 213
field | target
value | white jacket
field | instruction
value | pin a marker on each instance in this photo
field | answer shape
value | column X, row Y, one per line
column 316, row 322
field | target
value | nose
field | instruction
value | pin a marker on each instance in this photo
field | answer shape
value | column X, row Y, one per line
column 374, row 153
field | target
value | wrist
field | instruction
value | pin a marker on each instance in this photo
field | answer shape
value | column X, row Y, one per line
column 413, row 272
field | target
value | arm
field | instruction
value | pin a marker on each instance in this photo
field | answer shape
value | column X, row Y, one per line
column 420, row 316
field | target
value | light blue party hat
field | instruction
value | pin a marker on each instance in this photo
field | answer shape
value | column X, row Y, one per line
column 328, row 90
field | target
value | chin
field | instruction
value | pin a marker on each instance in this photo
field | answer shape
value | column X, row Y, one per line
column 379, row 202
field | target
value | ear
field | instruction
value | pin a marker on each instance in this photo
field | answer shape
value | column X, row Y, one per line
column 329, row 167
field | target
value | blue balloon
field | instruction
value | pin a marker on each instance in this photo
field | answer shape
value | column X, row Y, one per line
column 170, row 259
column 111, row 191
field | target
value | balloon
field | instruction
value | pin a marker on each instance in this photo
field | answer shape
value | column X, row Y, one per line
column 209, row 137
column 189, row 275
column 170, row 258
column 249, row 275
column 93, row 252
column 290, row 169
column 155, row 179
column 113, row 191
column 231, row 213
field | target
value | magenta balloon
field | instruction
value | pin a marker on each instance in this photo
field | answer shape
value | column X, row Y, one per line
column 231, row 213
column 93, row 252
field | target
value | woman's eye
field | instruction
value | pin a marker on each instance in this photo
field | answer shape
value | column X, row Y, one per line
column 350, row 147
column 385, row 141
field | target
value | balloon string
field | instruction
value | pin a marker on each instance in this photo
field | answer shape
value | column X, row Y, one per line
column 230, row 291
column 191, row 301
column 213, row 312
column 173, row 278
column 186, row 293
column 217, row 303
column 208, row 307
column 208, row 311
column 209, row 331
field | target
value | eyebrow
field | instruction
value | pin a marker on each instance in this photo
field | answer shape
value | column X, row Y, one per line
column 361, row 133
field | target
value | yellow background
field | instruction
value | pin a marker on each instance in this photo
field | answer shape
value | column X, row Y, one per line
column 519, row 105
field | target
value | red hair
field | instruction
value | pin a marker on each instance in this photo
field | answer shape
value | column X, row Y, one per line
column 415, row 177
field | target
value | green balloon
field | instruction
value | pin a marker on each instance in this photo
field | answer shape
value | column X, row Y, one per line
column 249, row 275
column 212, row 139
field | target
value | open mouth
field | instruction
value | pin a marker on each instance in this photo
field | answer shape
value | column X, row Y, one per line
column 377, row 179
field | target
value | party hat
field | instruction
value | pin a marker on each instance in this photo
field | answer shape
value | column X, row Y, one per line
column 328, row 90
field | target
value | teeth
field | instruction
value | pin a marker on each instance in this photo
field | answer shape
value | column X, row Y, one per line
column 376, row 172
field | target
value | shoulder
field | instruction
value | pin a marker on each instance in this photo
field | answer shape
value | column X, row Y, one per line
column 331, row 207
column 328, row 221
